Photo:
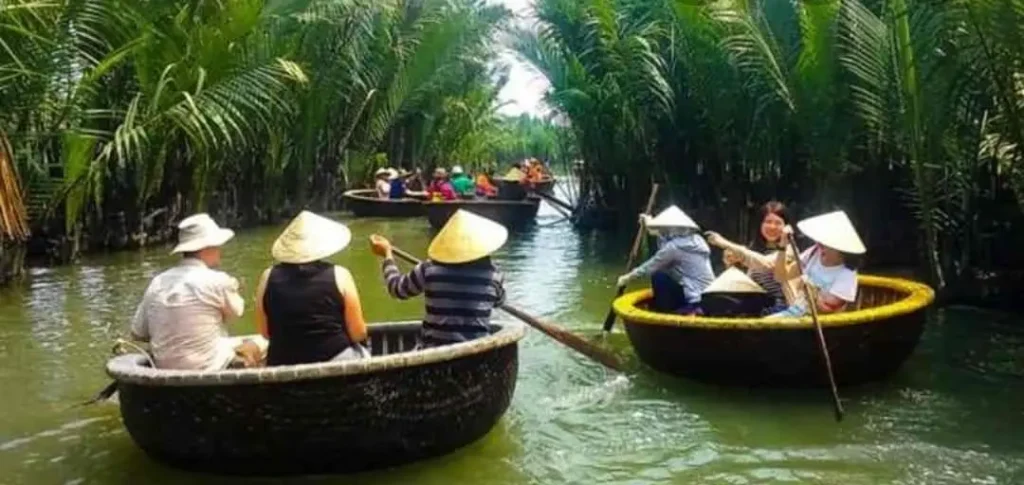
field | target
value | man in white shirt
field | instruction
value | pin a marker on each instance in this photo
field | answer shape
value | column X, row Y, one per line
column 185, row 308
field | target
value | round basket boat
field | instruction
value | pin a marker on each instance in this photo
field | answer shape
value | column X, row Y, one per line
column 399, row 406
column 365, row 203
column 508, row 190
column 866, row 343
column 512, row 214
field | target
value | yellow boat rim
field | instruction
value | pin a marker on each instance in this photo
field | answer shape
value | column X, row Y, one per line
column 917, row 296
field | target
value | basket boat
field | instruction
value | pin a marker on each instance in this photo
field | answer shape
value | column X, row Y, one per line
column 365, row 203
column 399, row 406
column 508, row 190
column 866, row 343
column 513, row 214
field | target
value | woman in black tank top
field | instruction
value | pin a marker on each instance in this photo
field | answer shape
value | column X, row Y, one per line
column 308, row 308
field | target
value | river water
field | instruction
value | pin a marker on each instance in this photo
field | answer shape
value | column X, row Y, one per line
column 951, row 416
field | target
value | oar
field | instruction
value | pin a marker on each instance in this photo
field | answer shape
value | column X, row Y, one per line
column 609, row 320
column 551, row 330
column 812, row 303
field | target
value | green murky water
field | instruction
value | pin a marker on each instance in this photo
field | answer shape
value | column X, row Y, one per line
column 952, row 416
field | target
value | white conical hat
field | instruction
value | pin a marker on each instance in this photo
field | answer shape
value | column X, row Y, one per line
column 833, row 230
column 733, row 281
column 671, row 217
column 310, row 237
column 199, row 232
column 466, row 237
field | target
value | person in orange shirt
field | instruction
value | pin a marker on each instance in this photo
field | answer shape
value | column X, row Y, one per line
column 484, row 187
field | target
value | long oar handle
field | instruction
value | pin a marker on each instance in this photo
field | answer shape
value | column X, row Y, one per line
column 554, row 331
column 609, row 319
column 812, row 304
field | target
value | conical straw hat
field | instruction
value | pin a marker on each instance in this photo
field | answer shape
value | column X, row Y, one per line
column 310, row 237
column 513, row 175
column 833, row 230
column 733, row 281
column 466, row 237
column 672, row 217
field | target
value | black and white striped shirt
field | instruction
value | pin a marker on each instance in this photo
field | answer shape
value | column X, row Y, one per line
column 459, row 297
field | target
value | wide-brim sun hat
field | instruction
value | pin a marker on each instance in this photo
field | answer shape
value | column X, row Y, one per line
column 200, row 232
column 466, row 237
column 733, row 280
column 381, row 171
column 833, row 230
column 392, row 174
column 310, row 237
column 672, row 218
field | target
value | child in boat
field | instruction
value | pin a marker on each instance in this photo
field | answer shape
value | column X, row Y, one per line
column 826, row 268
column 759, row 258
column 308, row 308
column 459, row 282
column 681, row 268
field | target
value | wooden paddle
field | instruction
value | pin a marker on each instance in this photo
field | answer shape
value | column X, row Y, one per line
column 812, row 303
column 609, row 320
column 556, row 332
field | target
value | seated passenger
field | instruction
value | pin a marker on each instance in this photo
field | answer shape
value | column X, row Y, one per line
column 307, row 307
column 440, row 188
column 184, row 310
column 459, row 282
column 827, row 273
column 462, row 183
column 681, row 268
column 734, row 294
column 484, row 187
column 759, row 258
column 382, row 185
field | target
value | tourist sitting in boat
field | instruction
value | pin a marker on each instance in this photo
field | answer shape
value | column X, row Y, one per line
column 462, row 184
column 484, row 187
column 459, row 282
column 399, row 186
column 383, row 186
column 734, row 294
column 681, row 268
column 307, row 307
column 826, row 265
column 185, row 308
column 440, row 188
column 534, row 171
column 759, row 257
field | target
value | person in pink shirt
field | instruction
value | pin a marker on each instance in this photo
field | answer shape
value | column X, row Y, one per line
column 440, row 188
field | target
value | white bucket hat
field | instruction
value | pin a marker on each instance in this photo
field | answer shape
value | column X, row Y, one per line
column 466, row 237
column 310, row 237
column 733, row 280
column 392, row 174
column 456, row 170
column 199, row 232
column 833, row 230
column 673, row 217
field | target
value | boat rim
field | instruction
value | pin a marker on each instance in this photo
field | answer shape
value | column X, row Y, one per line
column 358, row 194
column 918, row 296
column 529, row 201
column 128, row 368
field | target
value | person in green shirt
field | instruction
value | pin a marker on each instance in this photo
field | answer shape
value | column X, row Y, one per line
column 462, row 184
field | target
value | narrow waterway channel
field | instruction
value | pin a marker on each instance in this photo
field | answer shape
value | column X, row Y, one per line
column 951, row 416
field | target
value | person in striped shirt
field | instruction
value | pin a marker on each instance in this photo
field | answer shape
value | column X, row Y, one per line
column 459, row 282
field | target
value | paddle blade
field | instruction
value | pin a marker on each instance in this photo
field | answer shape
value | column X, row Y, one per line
column 609, row 320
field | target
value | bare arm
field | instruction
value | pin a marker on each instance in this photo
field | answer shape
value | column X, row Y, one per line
column 354, row 322
column 261, row 313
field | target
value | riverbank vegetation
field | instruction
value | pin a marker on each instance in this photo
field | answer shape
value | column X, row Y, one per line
column 910, row 115
column 125, row 115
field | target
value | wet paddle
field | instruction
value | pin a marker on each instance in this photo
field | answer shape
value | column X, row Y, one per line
column 609, row 320
column 563, row 336
column 812, row 303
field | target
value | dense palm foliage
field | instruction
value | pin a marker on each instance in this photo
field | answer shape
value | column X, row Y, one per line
column 874, row 105
column 123, row 115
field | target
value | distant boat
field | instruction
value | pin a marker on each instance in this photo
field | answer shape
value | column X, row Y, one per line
column 513, row 214
column 365, row 203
